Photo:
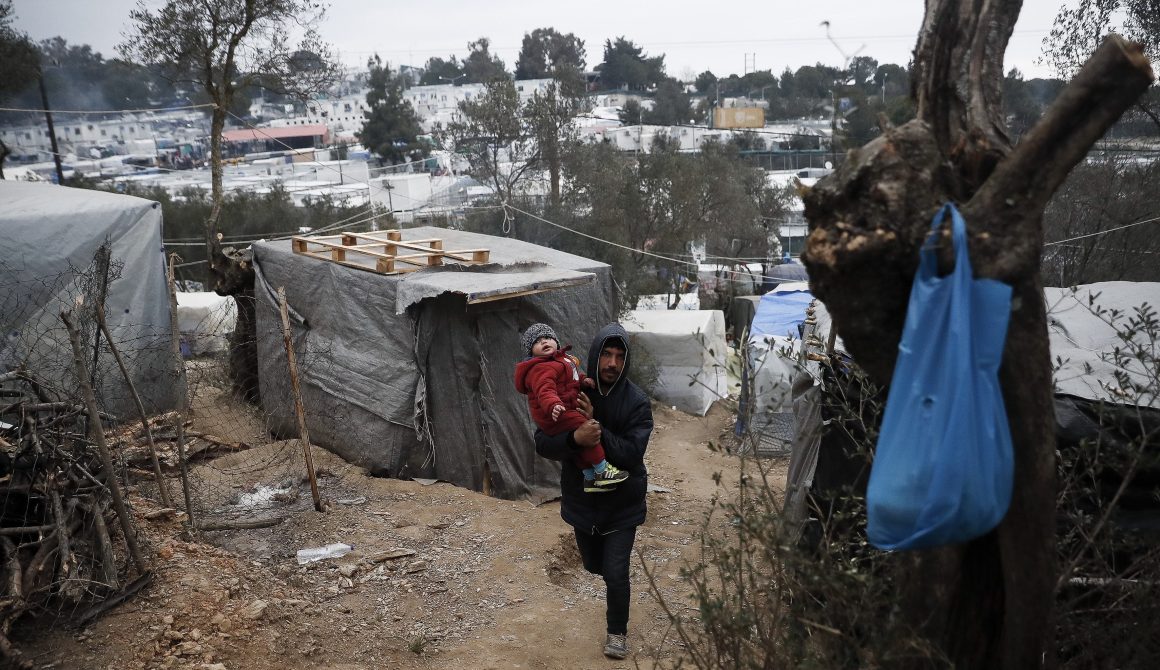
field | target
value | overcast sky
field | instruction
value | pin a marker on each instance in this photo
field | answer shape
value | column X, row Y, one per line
column 728, row 37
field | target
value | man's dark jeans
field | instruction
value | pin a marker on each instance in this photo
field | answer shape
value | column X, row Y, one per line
column 608, row 556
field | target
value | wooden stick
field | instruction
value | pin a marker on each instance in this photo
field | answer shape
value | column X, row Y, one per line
column 299, row 408
column 67, row 560
column 235, row 525
column 104, row 545
column 175, row 344
column 130, row 590
column 27, row 530
column 97, row 433
column 15, row 602
column 137, row 401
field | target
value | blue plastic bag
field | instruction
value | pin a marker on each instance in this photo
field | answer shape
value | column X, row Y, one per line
column 943, row 468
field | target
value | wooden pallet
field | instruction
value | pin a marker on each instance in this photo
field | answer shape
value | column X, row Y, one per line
column 379, row 251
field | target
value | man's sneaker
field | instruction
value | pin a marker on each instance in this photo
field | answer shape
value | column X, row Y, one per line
column 611, row 476
column 616, row 646
column 591, row 487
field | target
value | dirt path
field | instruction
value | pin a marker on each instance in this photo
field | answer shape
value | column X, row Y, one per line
column 490, row 583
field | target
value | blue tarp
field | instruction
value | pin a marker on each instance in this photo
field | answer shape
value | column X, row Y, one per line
column 780, row 314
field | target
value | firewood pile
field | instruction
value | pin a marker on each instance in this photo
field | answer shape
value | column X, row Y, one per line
column 62, row 546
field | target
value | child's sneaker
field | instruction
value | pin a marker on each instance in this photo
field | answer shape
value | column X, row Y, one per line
column 611, row 476
column 591, row 487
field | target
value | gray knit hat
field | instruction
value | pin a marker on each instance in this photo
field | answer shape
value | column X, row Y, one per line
column 535, row 332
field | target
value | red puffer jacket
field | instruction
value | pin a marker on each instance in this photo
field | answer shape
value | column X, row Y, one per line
column 549, row 381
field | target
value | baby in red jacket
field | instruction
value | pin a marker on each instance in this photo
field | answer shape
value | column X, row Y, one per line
column 551, row 378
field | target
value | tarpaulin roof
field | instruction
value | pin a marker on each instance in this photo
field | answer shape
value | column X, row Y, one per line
column 779, row 312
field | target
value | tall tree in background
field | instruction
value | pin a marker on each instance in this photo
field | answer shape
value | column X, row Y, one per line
column 21, row 64
column 222, row 47
column 549, row 114
column 499, row 146
column 391, row 128
column 671, row 105
column 1079, row 30
column 545, row 52
column 439, row 71
column 481, row 66
column 986, row 603
column 626, row 65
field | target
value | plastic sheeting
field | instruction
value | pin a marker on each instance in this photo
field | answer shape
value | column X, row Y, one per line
column 205, row 320
column 688, row 348
column 780, row 312
column 410, row 375
column 51, row 234
column 1084, row 341
column 776, row 360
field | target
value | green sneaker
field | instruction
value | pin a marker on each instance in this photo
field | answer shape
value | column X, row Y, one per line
column 611, row 476
column 616, row 646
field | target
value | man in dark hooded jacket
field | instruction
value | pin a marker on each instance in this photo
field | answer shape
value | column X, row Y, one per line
column 605, row 524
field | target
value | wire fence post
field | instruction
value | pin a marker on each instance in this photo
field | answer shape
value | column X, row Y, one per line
column 299, row 408
column 97, row 433
column 104, row 328
column 183, row 400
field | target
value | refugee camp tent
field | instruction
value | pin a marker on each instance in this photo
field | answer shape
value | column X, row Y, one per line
column 411, row 375
column 51, row 234
column 688, row 349
column 774, row 345
column 205, row 320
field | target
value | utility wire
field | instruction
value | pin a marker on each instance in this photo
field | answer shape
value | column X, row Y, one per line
column 1103, row 232
column 106, row 111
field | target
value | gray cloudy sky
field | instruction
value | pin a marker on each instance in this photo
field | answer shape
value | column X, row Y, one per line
column 693, row 35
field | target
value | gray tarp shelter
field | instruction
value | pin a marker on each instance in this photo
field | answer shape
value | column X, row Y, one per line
column 51, row 234
column 411, row 375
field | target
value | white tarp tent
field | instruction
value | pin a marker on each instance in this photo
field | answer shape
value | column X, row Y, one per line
column 1083, row 341
column 205, row 320
column 688, row 347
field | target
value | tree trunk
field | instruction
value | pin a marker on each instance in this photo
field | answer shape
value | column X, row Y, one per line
column 231, row 273
column 986, row 603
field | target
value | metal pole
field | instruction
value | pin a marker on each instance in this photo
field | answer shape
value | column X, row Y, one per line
column 51, row 130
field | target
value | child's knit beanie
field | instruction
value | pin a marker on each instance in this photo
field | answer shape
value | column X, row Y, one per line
column 535, row 332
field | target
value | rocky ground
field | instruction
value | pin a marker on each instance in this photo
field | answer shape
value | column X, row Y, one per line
column 441, row 577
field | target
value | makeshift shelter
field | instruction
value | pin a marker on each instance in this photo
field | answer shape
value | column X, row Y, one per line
column 688, row 349
column 774, row 344
column 51, row 234
column 205, row 320
column 411, row 374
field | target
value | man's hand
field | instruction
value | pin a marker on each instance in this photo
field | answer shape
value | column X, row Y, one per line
column 587, row 435
column 557, row 410
column 584, row 405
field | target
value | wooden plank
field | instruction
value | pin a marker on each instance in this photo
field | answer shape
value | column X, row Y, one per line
column 540, row 288
column 332, row 247
column 427, row 252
